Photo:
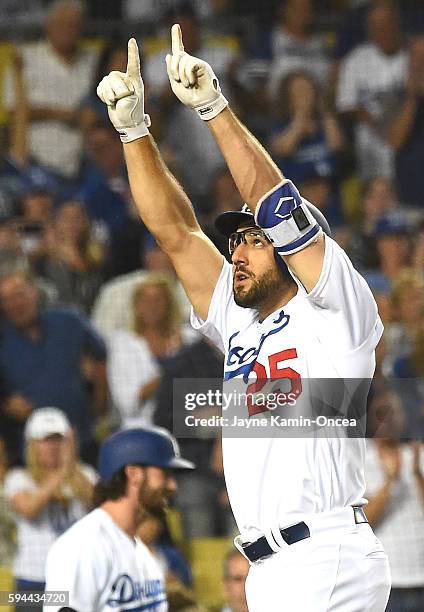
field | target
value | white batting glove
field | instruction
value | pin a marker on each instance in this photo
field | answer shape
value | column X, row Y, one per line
column 124, row 95
column 192, row 80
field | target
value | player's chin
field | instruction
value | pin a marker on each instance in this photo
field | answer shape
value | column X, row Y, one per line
column 243, row 298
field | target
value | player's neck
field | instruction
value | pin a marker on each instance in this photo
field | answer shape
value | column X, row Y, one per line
column 124, row 513
column 272, row 304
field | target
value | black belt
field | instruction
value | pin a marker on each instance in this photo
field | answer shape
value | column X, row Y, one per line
column 295, row 533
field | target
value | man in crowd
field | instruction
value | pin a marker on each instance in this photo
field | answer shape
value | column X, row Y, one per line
column 57, row 75
column 42, row 358
column 235, row 572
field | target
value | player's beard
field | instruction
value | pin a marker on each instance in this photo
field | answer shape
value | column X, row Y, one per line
column 264, row 288
column 153, row 499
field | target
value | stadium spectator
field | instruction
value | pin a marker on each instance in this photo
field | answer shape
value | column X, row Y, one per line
column 34, row 223
column 306, row 136
column 228, row 524
column 152, row 12
column 52, row 490
column 370, row 78
column 113, row 310
column 394, row 472
column 406, row 131
column 155, row 534
column 418, row 254
column 407, row 310
column 197, row 492
column 235, row 571
column 21, row 13
column 11, row 244
column 19, row 173
column 56, row 64
column 135, row 357
column 377, row 200
column 391, row 243
column 408, row 374
column 74, row 264
column 352, row 29
column 224, row 196
column 295, row 45
column 307, row 142
column 92, row 112
column 42, row 357
column 106, row 194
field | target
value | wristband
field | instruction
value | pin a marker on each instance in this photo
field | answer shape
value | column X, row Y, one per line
column 129, row 134
column 286, row 219
column 212, row 109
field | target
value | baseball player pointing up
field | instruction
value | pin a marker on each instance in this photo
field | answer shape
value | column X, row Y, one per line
column 290, row 306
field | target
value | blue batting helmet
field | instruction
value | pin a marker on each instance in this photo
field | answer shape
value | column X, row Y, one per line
column 153, row 446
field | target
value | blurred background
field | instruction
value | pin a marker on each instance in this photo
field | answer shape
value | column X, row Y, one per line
column 93, row 320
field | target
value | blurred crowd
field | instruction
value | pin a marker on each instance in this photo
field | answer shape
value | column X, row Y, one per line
column 94, row 323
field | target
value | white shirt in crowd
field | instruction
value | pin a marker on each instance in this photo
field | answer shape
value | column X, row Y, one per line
column 113, row 310
column 329, row 333
column 131, row 365
column 401, row 528
column 289, row 55
column 35, row 536
column 104, row 569
column 372, row 80
column 51, row 82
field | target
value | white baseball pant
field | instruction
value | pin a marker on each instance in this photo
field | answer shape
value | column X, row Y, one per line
column 342, row 567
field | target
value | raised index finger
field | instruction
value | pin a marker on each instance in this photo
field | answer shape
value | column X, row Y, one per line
column 133, row 64
column 176, row 39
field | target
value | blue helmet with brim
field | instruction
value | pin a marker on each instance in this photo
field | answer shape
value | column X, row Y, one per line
column 140, row 446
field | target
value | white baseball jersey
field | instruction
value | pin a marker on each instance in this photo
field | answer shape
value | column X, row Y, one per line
column 329, row 333
column 104, row 569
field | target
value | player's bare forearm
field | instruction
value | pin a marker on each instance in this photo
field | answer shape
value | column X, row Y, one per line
column 161, row 202
column 168, row 214
column 252, row 168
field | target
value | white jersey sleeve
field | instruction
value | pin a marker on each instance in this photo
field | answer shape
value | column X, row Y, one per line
column 346, row 312
column 82, row 571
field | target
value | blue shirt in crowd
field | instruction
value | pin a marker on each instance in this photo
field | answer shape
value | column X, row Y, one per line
column 48, row 371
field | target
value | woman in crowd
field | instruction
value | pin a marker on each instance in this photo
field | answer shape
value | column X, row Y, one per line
column 135, row 358
column 74, row 265
column 7, row 525
column 47, row 495
column 92, row 110
column 306, row 137
column 407, row 310
column 307, row 143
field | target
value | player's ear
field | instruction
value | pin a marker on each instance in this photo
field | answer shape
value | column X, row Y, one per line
column 135, row 474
